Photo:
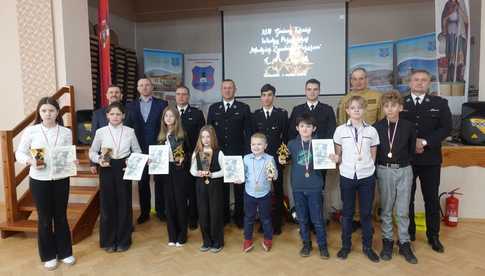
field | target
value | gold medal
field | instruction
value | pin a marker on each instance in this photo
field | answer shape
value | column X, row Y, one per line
column 391, row 138
column 307, row 174
column 389, row 155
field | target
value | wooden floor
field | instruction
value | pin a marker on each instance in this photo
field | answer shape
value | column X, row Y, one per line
column 149, row 255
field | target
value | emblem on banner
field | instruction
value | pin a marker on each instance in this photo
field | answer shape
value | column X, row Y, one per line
column 203, row 78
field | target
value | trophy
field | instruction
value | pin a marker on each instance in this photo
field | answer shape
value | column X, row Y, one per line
column 179, row 154
column 270, row 171
column 38, row 155
column 205, row 161
column 283, row 153
column 106, row 154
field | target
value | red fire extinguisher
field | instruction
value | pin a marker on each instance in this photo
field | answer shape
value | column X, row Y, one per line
column 450, row 217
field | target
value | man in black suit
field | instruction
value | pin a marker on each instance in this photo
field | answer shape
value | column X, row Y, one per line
column 99, row 120
column 273, row 122
column 432, row 118
column 192, row 121
column 144, row 115
column 232, row 122
column 322, row 113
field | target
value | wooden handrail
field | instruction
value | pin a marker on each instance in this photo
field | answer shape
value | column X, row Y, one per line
column 11, row 179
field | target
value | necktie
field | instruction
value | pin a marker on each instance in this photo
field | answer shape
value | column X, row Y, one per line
column 228, row 105
column 181, row 112
column 417, row 101
column 356, row 135
column 312, row 107
column 267, row 115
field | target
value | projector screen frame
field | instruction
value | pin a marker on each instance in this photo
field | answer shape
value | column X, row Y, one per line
column 221, row 12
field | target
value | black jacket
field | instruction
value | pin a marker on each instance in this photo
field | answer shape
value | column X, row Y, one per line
column 323, row 114
column 192, row 121
column 275, row 128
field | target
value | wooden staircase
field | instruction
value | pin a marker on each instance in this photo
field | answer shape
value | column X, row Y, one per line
column 20, row 212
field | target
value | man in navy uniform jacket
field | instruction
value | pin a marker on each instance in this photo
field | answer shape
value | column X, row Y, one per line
column 144, row 115
column 232, row 122
column 192, row 121
column 432, row 118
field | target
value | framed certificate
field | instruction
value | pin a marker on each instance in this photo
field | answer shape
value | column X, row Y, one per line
column 321, row 149
column 233, row 169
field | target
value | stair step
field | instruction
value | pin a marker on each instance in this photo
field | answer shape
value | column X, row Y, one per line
column 24, row 225
column 74, row 207
column 83, row 190
column 85, row 174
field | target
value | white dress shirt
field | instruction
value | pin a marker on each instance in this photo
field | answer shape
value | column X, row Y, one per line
column 227, row 102
column 179, row 108
column 216, row 174
column 421, row 97
column 312, row 103
column 367, row 137
column 34, row 137
column 120, row 139
column 267, row 112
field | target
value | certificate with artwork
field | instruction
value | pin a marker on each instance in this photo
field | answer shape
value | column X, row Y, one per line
column 233, row 169
column 321, row 149
column 63, row 162
column 159, row 159
column 134, row 166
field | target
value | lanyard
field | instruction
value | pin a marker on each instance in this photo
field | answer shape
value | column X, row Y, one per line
column 355, row 139
column 257, row 175
column 117, row 146
column 391, row 140
column 306, row 156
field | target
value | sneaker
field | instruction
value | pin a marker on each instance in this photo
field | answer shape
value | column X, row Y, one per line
column 110, row 249
column 343, row 253
column 122, row 248
column 324, row 253
column 247, row 245
column 371, row 255
column 267, row 244
column 386, row 252
column 171, row 244
column 217, row 250
column 69, row 260
column 51, row 265
column 178, row 244
column 204, row 248
column 306, row 249
column 407, row 253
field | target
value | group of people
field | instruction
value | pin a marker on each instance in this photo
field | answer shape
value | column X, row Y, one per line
column 401, row 137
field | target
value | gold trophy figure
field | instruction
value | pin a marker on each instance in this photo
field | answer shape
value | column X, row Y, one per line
column 205, row 161
column 270, row 171
column 39, row 157
column 179, row 155
column 105, row 158
column 283, row 154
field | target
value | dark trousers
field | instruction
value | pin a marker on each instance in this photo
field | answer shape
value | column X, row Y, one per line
column 192, row 198
column 429, row 176
column 238, row 202
column 278, row 194
column 116, row 222
column 53, row 236
column 309, row 209
column 251, row 207
column 348, row 189
column 209, row 201
column 175, row 193
column 145, row 195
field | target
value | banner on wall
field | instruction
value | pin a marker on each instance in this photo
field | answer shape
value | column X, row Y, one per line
column 165, row 70
column 377, row 60
column 416, row 53
column 453, row 43
column 203, row 76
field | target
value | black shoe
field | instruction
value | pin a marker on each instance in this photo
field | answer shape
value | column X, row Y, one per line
column 407, row 253
column 369, row 252
column 412, row 236
column 122, row 248
column 386, row 253
column 142, row 219
column 306, row 249
column 355, row 225
column 110, row 249
column 436, row 244
column 343, row 253
column 324, row 253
